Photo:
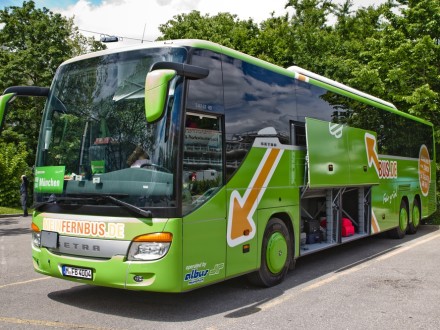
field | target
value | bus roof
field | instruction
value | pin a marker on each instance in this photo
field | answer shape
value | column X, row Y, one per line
column 328, row 81
column 190, row 43
column 154, row 44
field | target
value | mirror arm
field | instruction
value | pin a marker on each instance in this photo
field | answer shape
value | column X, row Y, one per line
column 27, row 91
column 186, row 70
column 11, row 92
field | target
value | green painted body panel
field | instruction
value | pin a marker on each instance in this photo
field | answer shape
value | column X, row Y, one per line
column 386, row 197
column 163, row 275
column 204, row 243
column 280, row 197
column 337, row 155
column 4, row 99
column 156, row 92
column 237, row 261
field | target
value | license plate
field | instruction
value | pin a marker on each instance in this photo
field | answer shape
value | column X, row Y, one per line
column 77, row 272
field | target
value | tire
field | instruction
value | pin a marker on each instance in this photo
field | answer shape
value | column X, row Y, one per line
column 276, row 255
column 400, row 230
column 416, row 217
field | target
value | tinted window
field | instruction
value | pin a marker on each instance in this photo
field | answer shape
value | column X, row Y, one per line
column 202, row 159
column 206, row 94
column 255, row 98
column 396, row 135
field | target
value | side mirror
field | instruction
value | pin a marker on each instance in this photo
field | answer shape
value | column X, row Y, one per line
column 157, row 85
column 156, row 93
column 4, row 101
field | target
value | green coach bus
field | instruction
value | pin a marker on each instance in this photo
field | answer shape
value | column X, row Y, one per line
column 173, row 165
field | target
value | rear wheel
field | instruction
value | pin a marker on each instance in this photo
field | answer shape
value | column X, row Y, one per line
column 276, row 254
column 400, row 230
column 416, row 217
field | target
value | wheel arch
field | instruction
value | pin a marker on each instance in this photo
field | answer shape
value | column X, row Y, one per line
column 417, row 199
column 406, row 200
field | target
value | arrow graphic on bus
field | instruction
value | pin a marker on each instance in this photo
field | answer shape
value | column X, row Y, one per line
column 373, row 158
column 241, row 226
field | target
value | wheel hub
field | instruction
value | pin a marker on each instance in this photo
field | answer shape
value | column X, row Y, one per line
column 276, row 255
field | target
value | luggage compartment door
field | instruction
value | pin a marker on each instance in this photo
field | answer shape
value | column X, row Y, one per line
column 339, row 155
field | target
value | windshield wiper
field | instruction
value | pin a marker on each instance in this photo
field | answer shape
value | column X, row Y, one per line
column 110, row 198
column 131, row 207
column 36, row 206
column 129, row 93
column 54, row 200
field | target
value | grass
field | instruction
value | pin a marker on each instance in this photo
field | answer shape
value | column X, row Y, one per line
column 10, row 210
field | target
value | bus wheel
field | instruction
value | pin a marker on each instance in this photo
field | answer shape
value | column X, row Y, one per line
column 416, row 216
column 275, row 255
column 400, row 230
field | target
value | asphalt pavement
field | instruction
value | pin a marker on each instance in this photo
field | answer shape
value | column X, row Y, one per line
column 373, row 283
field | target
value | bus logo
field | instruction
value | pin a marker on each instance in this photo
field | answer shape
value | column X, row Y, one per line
column 424, row 170
column 385, row 169
column 335, row 129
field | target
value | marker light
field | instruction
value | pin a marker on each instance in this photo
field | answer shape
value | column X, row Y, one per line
column 150, row 246
column 36, row 235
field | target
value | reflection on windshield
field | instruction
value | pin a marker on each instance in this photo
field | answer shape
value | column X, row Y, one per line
column 202, row 160
column 95, row 134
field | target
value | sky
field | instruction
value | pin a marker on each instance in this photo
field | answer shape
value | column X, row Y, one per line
column 136, row 20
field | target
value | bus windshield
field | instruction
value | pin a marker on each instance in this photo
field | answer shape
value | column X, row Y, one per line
column 95, row 141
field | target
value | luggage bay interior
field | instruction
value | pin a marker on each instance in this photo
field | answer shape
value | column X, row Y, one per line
column 333, row 216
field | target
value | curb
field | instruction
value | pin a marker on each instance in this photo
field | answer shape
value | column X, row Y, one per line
column 10, row 215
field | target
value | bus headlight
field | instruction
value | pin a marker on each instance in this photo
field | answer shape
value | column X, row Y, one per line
column 150, row 246
column 36, row 239
column 36, row 236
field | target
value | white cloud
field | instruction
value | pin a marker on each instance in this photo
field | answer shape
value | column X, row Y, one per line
column 128, row 18
column 163, row 2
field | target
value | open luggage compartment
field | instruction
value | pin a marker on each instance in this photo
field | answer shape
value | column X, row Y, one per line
column 333, row 216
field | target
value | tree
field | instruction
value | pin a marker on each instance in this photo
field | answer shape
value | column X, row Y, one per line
column 224, row 28
column 274, row 42
column 406, row 54
column 312, row 35
column 12, row 166
column 34, row 43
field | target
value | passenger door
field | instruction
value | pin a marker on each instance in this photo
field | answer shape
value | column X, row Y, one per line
column 203, row 201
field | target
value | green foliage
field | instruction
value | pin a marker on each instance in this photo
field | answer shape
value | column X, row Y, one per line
column 34, row 42
column 224, row 28
column 12, row 166
column 269, row 46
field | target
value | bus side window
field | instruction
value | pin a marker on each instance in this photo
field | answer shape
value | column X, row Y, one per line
column 297, row 134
